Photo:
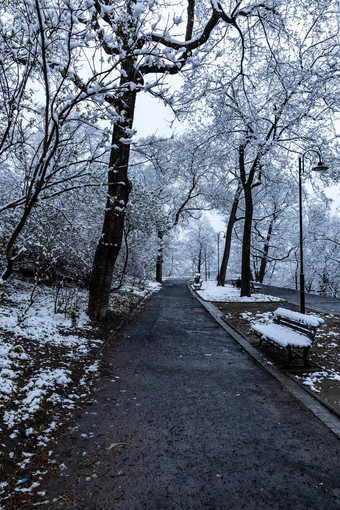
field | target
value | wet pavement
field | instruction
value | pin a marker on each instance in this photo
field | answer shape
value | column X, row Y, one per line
column 313, row 301
column 185, row 419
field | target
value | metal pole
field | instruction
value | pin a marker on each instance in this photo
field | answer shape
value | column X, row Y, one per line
column 302, row 276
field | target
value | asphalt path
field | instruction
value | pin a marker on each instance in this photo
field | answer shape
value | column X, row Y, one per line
column 313, row 301
column 184, row 419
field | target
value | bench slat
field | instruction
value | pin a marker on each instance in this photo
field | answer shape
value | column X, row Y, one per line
column 301, row 318
column 281, row 335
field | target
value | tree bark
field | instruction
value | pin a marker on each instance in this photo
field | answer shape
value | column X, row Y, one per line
column 264, row 259
column 247, row 228
column 126, row 259
column 119, row 188
column 199, row 262
column 232, row 220
column 159, row 262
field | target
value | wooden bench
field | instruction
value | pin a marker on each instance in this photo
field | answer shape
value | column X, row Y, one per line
column 236, row 283
column 255, row 287
column 197, row 283
column 289, row 330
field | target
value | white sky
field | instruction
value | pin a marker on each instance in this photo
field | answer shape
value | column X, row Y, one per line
column 152, row 116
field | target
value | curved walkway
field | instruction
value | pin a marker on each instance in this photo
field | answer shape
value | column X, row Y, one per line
column 320, row 303
column 186, row 420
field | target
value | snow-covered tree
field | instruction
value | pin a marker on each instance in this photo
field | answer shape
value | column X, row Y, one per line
column 283, row 97
column 49, row 134
column 177, row 173
column 148, row 39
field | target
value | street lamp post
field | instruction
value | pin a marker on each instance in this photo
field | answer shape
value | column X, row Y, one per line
column 320, row 168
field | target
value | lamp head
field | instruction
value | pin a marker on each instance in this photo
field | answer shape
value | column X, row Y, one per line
column 321, row 167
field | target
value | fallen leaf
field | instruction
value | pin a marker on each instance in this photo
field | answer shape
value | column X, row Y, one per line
column 115, row 445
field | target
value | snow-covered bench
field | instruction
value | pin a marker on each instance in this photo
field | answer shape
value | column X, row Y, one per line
column 289, row 330
column 255, row 287
column 197, row 282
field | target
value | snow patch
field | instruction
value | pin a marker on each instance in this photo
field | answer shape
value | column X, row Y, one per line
column 211, row 292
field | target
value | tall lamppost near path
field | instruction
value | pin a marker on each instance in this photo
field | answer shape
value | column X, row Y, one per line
column 319, row 168
column 218, row 252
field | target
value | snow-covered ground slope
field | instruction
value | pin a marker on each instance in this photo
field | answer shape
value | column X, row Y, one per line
column 210, row 292
column 49, row 353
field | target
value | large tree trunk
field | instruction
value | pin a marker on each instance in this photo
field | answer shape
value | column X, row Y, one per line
column 199, row 262
column 247, row 228
column 232, row 220
column 159, row 262
column 119, row 189
column 264, row 258
column 159, row 267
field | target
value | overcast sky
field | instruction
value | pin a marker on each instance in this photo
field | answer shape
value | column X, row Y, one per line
column 153, row 117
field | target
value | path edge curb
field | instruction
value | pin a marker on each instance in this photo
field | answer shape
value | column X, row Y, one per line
column 327, row 415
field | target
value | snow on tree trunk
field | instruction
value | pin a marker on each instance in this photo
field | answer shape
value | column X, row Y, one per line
column 159, row 262
column 199, row 263
column 264, row 258
column 119, row 189
column 247, row 229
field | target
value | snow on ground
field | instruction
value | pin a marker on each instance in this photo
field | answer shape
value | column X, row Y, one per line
column 48, row 357
column 28, row 332
column 210, row 292
column 316, row 378
column 324, row 353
